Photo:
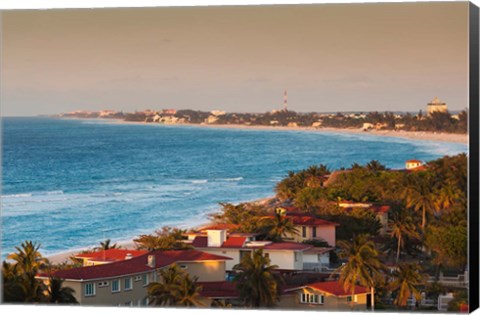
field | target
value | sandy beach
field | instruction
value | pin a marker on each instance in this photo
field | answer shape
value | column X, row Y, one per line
column 412, row 135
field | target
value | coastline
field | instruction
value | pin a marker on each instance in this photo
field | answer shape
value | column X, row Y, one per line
column 410, row 135
column 129, row 244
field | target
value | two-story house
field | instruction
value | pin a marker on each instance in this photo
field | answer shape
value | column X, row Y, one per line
column 125, row 282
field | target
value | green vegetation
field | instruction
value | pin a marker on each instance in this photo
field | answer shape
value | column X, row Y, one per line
column 258, row 284
column 436, row 122
column 176, row 288
column 407, row 277
column 167, row 238
column 20, row 284
column 362, row 266
column 106, row 245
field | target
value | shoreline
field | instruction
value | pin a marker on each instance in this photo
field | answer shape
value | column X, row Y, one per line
column 410, row 135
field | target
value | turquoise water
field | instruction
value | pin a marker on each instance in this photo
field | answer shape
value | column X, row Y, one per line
column 69, row 184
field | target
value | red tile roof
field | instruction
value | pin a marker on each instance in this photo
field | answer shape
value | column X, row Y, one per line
column 301, row 219
column 234, row 241
column 329, row 287
column 335, row 288
column 285, row 246
column 137, row 265
column 381, row 209
column 413, row 161
column 219, row 289
column 418, row 168
column 113, row 254
column 200, row 241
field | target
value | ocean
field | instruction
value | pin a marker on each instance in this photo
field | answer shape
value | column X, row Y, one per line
column 69, row 184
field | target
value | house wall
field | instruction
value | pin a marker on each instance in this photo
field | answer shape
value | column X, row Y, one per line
column 206, row 271
column 383, row 218
column 326, row 233
column 331, row 302
column 316, row 258
column 286, row 259
column 105, row 296
column 231, row 253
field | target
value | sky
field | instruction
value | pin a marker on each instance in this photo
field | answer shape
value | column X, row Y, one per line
column 330, row 57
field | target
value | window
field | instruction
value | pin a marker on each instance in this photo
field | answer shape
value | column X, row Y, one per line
column 145, row 279
column 115, row 286
column 90, row 289
column 128, row 284
column 314, row 231
column 129, row 303
column 296, row 255
column 308, row 298
column 137, row 278
column 183, row 266
column 145, row 301
column 349, row 298
column 304, row 231
column 103, row 284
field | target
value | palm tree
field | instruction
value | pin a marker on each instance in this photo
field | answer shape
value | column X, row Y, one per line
column 57, row 293
column 27, row 258
column 188, row 292
column 375, row 166
column 402, row 226
column 175, row 288
column 278, row 227
column 418, row 195
column 405, row 281
column 362, row 265
column 258, row 284
column 28, row 261
column 106, row 245
column 12, row 290
column 162, row 293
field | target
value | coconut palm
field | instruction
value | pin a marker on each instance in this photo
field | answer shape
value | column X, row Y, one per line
column 106, row 245
column 175, row 288
column 402, row 226
column 188, row 292
column 57, row 293
column 258, row 284
column 419, row 195
column 278, row 227
column 27, row 258
column 375, row 166
column 406, row 278
column 28, row 261
column 12, row 290
column 162, row 293
column 362, row 265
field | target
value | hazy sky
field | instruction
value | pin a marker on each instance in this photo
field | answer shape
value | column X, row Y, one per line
column 330, row 57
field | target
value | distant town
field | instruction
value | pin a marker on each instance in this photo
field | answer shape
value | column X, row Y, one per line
column 434, row 118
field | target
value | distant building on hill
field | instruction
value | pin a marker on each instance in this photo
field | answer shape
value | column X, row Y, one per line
column 436, row 106
column 412, row 164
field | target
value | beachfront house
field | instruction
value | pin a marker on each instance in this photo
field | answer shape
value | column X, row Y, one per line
column 125, row 282
column 309, row 228
column 412, row 164
column 288, row 256
column 328, row 295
